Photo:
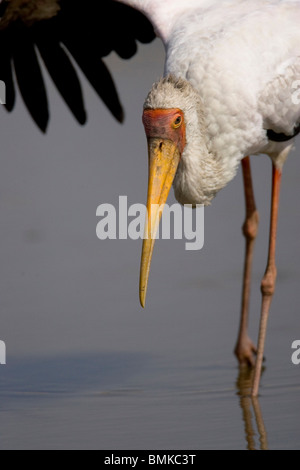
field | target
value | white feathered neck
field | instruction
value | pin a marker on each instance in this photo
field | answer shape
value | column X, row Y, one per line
column 200, row 174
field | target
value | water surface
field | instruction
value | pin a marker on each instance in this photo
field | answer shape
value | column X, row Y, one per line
column 86, row 367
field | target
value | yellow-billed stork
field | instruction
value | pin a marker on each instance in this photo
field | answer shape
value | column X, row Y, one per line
column 228, row 92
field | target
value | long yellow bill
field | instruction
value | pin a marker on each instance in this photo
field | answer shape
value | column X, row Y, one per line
column 164, row 157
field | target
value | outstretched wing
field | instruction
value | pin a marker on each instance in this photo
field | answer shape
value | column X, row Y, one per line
column 87, row 30
column 280, row 103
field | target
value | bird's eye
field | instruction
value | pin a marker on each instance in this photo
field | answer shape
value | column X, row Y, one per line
column 177, row 122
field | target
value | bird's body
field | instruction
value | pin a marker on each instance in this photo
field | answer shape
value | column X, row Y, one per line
column 228, row 92
column 243, row 72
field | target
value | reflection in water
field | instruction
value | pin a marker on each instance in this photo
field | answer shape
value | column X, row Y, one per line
column 244, row 382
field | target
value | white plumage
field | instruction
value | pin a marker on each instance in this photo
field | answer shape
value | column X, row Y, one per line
column 242, row 57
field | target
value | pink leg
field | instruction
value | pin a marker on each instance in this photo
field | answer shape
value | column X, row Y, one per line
column 245, row 349
column 269, row 280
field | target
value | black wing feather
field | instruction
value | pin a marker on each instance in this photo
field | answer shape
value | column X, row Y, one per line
column 61, row 71
column 29, row 78
column 98, row 76
column 89, row 30
column 275, row 137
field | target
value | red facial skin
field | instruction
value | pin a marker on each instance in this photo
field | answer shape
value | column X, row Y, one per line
column 160, row 123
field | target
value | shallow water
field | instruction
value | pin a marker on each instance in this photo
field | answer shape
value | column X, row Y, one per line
column 86, row 367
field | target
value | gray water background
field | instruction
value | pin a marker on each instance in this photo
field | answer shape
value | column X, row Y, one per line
column 86, row 366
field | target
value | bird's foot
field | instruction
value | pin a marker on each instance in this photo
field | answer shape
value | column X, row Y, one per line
column 246, row 352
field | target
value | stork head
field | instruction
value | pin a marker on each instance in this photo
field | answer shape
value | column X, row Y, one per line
column 179, row 153
column 165, row 131
column 166, row 136
column 165, row 127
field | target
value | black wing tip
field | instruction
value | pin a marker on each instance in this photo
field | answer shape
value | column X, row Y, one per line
column 277, row 137
column 82, row 119
column 42, row 125
column 63, row 75
column 120, row 116
column 9, row 107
